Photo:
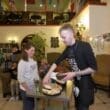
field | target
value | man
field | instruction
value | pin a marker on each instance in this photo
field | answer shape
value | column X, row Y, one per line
column 82, row 62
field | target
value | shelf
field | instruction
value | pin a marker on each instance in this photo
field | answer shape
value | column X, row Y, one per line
column 34, row 18
column 6, row 47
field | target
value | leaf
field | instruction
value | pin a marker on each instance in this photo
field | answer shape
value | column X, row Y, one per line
column 39, row 43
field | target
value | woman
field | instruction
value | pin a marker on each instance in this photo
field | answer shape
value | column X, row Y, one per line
column 27, row 73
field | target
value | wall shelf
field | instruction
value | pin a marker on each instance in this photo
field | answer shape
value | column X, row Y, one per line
column 34, row 18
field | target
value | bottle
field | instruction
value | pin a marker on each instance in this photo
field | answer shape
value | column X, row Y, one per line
column 38, row 86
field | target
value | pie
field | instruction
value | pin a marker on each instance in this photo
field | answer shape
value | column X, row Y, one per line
column 47, row 86
column 51, row 92
column 55, row 89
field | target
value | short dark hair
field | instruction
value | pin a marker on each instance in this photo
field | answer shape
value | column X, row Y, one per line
column 66, row 27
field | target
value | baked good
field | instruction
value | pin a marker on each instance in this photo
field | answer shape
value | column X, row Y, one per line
column 60, row 81
column 47, row 86
column 55, row 89
column 51, row 92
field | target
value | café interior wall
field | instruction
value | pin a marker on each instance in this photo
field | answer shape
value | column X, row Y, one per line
column 97, row 22
column 99, row 25
column 82, row 19
column 17, row 33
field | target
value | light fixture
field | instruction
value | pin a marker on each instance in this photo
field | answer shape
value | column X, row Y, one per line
column 80, row 28
column 12, row 39
column 41, row 5
column 54, row 5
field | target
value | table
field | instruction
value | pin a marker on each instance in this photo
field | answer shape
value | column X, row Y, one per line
column 62, row 97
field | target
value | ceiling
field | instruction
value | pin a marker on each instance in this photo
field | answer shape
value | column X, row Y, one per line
column 38, row 5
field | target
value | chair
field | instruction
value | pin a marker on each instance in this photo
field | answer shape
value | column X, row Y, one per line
column 52, row 56
column 102, row 76
column 35, row 18
column 14, row 18
column 58, row 19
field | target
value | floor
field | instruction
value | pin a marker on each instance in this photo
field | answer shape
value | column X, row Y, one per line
column 102, row 102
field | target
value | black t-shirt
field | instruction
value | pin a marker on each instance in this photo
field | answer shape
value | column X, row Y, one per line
column 82, row 53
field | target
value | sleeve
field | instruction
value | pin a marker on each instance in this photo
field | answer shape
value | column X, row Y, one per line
column 89, row 56
column 21, row 68
column 61, row 57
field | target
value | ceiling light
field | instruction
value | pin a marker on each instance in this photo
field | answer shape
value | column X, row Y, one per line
column 54, row 5
column 41, row 5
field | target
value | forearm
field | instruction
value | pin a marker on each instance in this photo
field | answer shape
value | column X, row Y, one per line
column 52, row 68
column 85, row 71
column 20, row 78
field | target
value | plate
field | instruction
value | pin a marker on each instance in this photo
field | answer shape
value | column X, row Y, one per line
column 55, row 76
column 60, row 76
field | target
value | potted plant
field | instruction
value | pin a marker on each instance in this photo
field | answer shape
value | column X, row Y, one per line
column 39, row 41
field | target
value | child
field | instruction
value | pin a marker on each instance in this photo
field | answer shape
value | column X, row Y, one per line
column 27, row 73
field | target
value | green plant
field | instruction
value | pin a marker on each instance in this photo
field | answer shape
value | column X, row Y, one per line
column 39, row 41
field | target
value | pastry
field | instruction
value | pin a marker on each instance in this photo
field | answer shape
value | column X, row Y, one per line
column 55, row 89
column 47, row 86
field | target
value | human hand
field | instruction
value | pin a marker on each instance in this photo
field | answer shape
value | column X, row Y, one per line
column 69, row 76
column 46, row 80
column 25, row 86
